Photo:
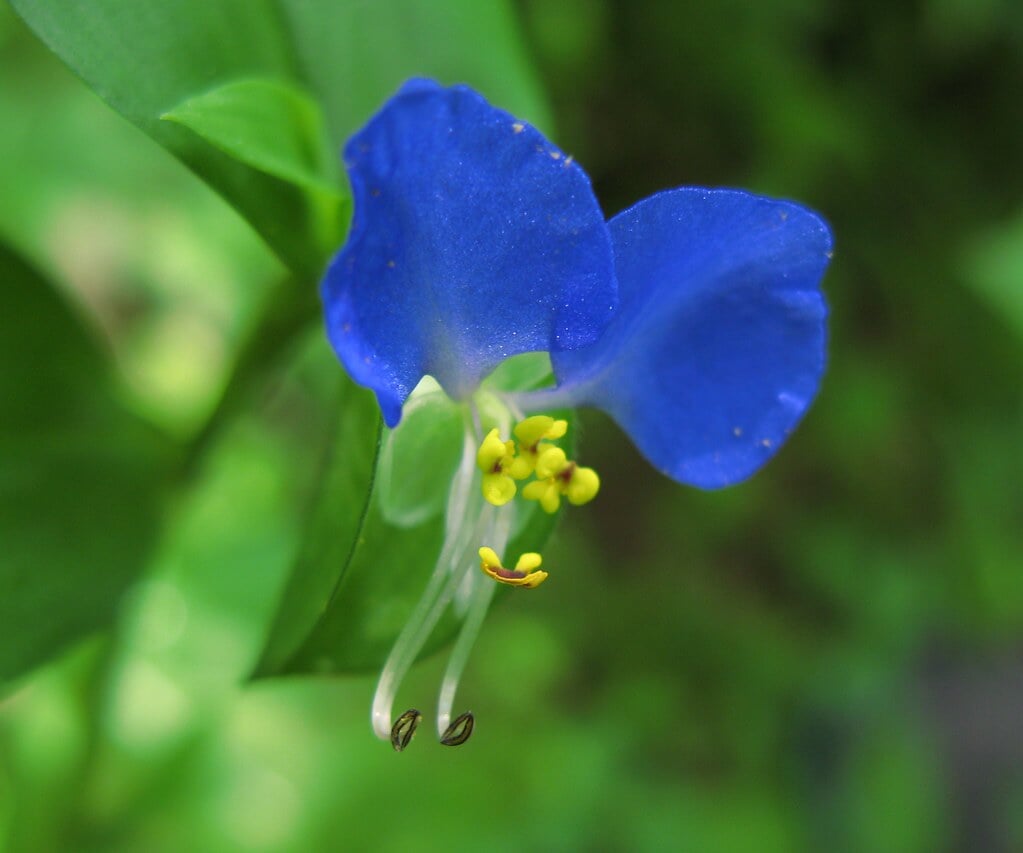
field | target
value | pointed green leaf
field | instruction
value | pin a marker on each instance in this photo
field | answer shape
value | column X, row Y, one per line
column 335, row 520
column 149, row 59
column 265, row 124
column 278, row 130
column 145, row 59
column 80, row 477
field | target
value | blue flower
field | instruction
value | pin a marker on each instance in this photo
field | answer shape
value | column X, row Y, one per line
column 718, row 344
column 473, row 239
column 694, row 319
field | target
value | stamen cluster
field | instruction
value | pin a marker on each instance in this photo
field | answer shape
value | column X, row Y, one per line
column 475, row 525
column 503, row 462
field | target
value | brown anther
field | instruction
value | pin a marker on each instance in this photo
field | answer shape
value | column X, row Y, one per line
column 403, row 729
column 459, row 731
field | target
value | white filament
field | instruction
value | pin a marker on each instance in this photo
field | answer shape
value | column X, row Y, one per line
column 458, row 541
column 482, row 594
column 469, row 522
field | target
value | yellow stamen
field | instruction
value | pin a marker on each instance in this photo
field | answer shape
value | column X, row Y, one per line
column 532, row 434
column 491, row 452
column 539, row 427
column 498, row 489
column 526, row 574
column 550, row 463
column 557, row 476
column 582, row 486
column 501, row 467
column 504, row 462
column 546, row 492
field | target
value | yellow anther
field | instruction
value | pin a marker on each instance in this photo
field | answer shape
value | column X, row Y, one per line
column 538, row 427
column 500, row 467
column 551, row 462
column 556, row 477
column 533, row 431
column 491, row 452
column 526, row 574
column 546, row 492
column 502, row 463
column 582, row 486
column 498, row 489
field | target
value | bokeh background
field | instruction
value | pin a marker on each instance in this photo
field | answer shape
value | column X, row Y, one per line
column 827, row 657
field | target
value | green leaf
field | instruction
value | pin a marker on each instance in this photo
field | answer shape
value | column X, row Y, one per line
column 80, row 477
column 526, row 371
column 994, row 267
column 334, row 522
column 278, row 130
column 145, row 59
column 419, row 454
column 203, row 80
column 151, row 59
column 356, row 54
column 265, row 124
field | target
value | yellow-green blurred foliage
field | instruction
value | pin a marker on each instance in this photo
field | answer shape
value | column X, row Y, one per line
column 829, row 657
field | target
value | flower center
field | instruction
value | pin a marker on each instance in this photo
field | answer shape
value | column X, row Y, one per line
column 480, row 516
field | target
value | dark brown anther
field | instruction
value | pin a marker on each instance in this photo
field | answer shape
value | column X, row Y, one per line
column 404, row 727
column 459, row 731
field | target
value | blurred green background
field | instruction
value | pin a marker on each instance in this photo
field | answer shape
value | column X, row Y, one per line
column 827, row 657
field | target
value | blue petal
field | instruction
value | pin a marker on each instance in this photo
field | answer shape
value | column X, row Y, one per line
column 474, row 239
column 718, row 345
